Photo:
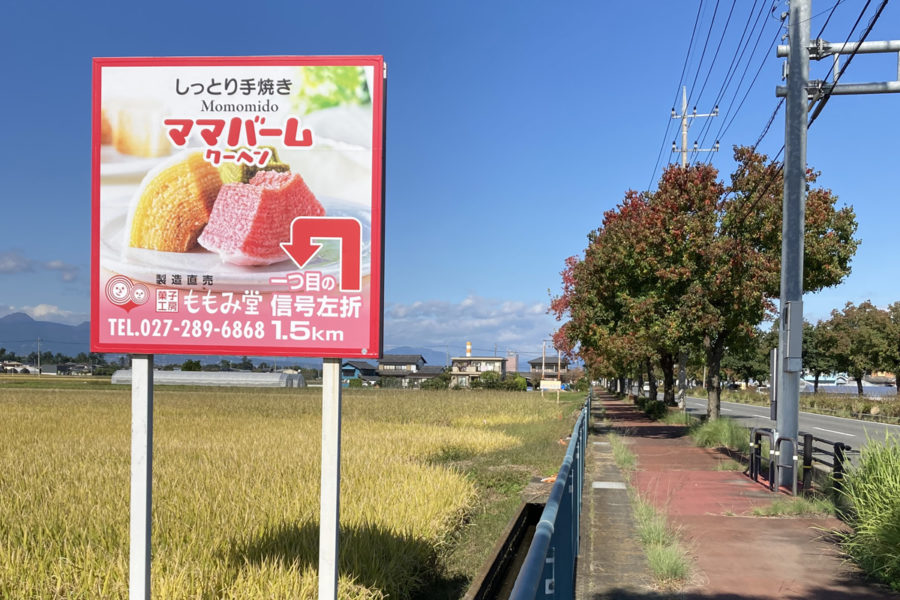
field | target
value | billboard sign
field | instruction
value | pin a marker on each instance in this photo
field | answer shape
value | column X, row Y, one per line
column 237, row 205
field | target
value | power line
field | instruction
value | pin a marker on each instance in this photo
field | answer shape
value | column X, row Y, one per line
column 703, row 54
column 735, row 61
column 825, row 98
column 662, row 145
column 725, row 127
column 718, row 47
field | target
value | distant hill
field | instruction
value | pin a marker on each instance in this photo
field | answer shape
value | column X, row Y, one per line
column 19, row 333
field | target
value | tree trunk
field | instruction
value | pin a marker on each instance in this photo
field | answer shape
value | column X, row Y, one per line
column 622, row 388
column 713, row 383
column 859, row 389
column 667, row 363
column 816, row 384
column 682, row 370
column 651, row 378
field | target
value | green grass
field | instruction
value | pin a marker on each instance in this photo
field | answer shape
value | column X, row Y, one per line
column 722, row 432
column 53, row 382
column 729, row 465
column 872, row 491
column 796, row 507
column 625, row 458
column 678, row 417
column 667, row 559
column 428, row 481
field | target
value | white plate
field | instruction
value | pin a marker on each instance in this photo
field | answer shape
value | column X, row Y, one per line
column 144, row 265
column 115, row 164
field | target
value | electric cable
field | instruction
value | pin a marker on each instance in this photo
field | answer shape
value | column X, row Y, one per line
column 680, row 81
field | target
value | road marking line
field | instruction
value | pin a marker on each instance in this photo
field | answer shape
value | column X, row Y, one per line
column 608, row 485
column 837, row 432
column 727, row 410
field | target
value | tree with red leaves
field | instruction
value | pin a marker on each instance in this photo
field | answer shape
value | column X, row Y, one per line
column 695, row 264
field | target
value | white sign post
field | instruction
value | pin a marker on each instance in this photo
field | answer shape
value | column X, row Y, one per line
column 141, row 475
column 330, row 489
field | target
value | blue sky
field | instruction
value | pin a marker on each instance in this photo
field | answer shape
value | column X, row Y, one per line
column 512, row 126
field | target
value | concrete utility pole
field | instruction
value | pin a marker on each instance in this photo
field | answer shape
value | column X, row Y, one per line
column 794, row 211
column 800, row 93
column 684, row 116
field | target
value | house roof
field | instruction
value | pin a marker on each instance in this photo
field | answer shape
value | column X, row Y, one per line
column 548, row 361
column 497, row 358
column 427, row 372
column 401, row 359
column 359, row 364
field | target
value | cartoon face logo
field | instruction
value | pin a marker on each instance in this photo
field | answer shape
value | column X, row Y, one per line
column 140, row 294
column 118, row 289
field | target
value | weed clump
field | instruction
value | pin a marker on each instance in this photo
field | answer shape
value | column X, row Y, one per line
column 872, row 491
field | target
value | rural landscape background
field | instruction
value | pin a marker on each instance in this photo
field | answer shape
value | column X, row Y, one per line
column 534, row 204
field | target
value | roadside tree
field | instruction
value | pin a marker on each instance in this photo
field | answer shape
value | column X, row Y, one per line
column 695, row 264
column 859, row 339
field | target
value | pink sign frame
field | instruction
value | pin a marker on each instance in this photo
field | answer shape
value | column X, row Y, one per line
column 324, row 296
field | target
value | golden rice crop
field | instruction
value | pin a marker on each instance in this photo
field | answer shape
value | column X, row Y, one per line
column 236, row 489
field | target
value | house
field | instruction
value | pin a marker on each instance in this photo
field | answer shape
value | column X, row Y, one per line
column 13, row 366
column 464, row 370
column 415, row 379
column 358, row 369
column 395, row 369
column 553, row 367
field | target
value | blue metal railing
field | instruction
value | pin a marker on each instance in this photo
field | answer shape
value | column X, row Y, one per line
column 549, row 567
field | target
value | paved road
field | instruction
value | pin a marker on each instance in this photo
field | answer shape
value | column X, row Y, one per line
column 836, row 429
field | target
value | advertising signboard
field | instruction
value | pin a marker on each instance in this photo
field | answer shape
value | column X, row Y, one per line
column 237, row 205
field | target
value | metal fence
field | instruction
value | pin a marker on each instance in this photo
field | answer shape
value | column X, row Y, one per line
column 549, row 567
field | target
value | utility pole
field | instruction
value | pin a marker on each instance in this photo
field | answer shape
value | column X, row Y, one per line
column 794, row 211
column 543, row 364
column 800, row 93
column 684, row 116
column 39, row 357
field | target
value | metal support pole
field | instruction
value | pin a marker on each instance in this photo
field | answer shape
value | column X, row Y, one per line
column 141, row 476
column 807, row 461
column 330, row 489
column 684, row 126
column 794, row 212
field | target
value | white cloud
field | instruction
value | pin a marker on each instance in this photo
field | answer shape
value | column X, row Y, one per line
column 513, row 325
column 13, row 261
column 66, row 271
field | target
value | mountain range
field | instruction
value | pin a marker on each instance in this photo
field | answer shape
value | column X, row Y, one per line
column 19, row 334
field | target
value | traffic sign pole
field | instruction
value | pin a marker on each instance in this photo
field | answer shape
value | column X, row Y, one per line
column 330, row 490
column 141, row 476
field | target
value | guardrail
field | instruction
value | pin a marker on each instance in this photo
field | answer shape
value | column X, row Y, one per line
column 549, row 567
column 837, row 453
column 775, row 466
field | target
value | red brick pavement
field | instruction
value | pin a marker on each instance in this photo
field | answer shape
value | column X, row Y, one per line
column 736, row 556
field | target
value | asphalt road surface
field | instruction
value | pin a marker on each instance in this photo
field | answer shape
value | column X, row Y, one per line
column 836, row 429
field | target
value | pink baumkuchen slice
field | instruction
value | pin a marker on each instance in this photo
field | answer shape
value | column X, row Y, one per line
column 250, row 220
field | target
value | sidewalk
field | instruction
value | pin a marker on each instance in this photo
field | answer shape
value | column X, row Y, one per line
column 735, row 556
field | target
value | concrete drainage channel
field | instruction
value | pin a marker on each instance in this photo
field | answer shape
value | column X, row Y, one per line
column 495, row 580
column 538, row 553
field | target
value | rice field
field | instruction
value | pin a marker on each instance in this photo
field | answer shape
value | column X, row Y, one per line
column 428, row 481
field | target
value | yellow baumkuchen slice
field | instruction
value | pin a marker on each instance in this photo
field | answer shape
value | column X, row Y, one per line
column 173, row 205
